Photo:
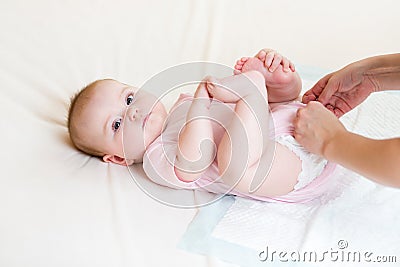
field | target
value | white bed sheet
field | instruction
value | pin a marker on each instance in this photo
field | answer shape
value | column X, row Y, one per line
column 62, row 208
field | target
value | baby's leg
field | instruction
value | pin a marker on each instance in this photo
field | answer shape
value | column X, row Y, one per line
column 246, row 138
column 282, row 86
column 251, row 121
column 247, row 159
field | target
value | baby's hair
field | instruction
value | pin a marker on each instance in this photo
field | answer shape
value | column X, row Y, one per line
column 78, row 100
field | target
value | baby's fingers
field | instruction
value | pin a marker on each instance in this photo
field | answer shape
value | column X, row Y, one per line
column 285, row 64
column 291, row 66
column 269, row 58
column 276, row 62
column 261, row 55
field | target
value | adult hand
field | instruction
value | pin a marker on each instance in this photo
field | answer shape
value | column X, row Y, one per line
column 315, row 127
column 343, row 90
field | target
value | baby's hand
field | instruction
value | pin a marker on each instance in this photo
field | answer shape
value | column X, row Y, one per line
column 272, row 59
column 202, row 94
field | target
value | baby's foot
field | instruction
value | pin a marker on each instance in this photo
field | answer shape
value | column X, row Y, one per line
column 278, row 77
column 239, row 65
column 281, row 86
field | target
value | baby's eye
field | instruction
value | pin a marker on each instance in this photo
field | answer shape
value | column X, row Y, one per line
column 129, row 99
column 116, row 124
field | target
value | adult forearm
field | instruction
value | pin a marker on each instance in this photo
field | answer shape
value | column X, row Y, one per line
column 384, row 71
column 382, row 61
column 375, row 159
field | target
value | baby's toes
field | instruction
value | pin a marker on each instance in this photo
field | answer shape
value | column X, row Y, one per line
column 238, row 67
column 236, row 72
column 244, row 59
column 239, row 64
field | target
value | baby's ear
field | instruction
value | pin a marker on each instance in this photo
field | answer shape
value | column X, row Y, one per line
column 117, row 160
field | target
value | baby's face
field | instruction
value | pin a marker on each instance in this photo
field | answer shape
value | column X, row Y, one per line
column 122, row 121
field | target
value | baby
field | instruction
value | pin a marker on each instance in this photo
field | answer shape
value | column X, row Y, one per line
column 231, row 112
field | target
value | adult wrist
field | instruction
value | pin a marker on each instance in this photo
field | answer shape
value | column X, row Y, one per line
column 380, row 70
column 332, row 147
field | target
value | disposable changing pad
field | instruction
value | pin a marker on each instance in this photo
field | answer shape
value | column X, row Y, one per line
column 355, row 216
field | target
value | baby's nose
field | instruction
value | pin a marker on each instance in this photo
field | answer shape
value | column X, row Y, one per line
column 133, row 113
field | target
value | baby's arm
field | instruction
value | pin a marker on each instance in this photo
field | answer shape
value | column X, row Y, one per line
column 196, row 149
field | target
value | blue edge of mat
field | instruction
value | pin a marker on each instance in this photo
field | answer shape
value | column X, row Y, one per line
column 198, row 236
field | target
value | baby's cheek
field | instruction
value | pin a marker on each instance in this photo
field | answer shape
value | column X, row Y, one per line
column 153, row 126
column 160, row 110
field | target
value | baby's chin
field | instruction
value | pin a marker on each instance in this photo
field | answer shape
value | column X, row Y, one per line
column 139, row 158
column 138, row 161
column 152, row 129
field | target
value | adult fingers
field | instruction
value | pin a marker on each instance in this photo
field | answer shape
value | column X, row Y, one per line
column 338, row 112
column 314, row 93
column 340, row 106
column 302, row 121
column 296, row 123
column 308, row 97
column 331, row 86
